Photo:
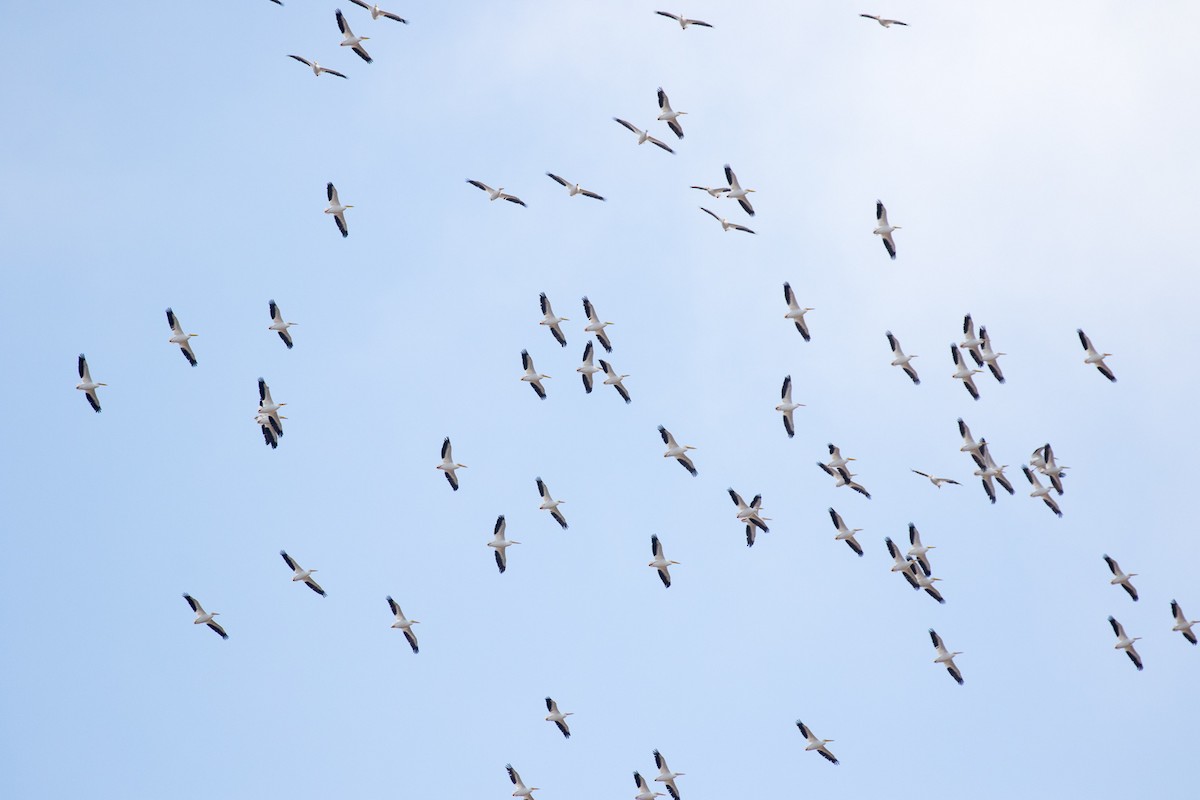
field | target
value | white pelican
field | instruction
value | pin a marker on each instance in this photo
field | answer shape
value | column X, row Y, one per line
column 736, row 192
column 919, row 551
column 1182, row 623
column 550, row 504
column 551, row 321
column 587, row 369
column 264, row 421
column 87, row 385
column 522, row 790
column 595, row 326
column 1040, row 491
column 816, row 744
column 404, row 624
column 990, row 356
column 751, row 515
column 901, row 360
column 787, row 407
column 901, row 564
column 316, row 68
column 350, row 40
column 660, row 561
column 499, row 544
column 301, row 574
column 962, row 373
column 969, row 445
column 644, row 792
column 989, row 470
column 882, row 228
column 677, row 451
column 448, row 466
column 713, row 191
column 665, row 775
column 1120, row 577
column 726, row 225
column 795, row 312
column 838, row 461
column 845, row 533
column 683, row 21
column 558, row 717
column 844, row 477
column 377, row 12
column 945, row 657
column 1125, row 643
column 643, row 136
column 1043, row 459
column 178, row 337
column 935, row 480
column 574, row 188
column 926, row 582
column 668, row 115
column 887, row 23
column 205, row 618
column 1096, row 358
column 971, row 343
column 337, row 209
column 532, row 376
column 268, row 416
column 611, row 378
column 279, row 326
column 497, row 194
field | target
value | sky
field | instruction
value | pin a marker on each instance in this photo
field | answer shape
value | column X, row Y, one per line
column 1040, row 162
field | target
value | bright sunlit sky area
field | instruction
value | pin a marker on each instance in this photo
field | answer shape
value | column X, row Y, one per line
column 1040, row 160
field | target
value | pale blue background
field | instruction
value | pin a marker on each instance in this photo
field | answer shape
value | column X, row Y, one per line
column 1041, row 158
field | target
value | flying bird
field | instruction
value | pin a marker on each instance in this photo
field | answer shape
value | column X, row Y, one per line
column 901, row 360
column 736, row 192
column 962, row 373
column 279, row 326
column 843, row 477
column 337, row 209
column 500, row 544
column 887, row 23
column 668, row 115
column 87, row 385
column 551, row 321
column 587, row 369
column 268, row 416
column 726, row 225
column 611, row 378
column 660, row 561
column 683, row 21
column 1120, row 577
column 574, row 188
column 643, row 136
column 926, row 582
column 377, row 12
column 989, row 471
column 971, row 342
column 919, row 551
column 1043, row 459
column 550, row 504
column 935, row 480
column 301, row 574
column 845, row 533
column 316, row 68
column 751, row 515
column 558, row 717
column 816, row 744
column 595, row 326
column 713, row 191
column 1096, row 358
column 990, row 356
column 521, row 789
column 901, row 564
column 205, row 618
column 497, row 194
column 644, row 792
column 350, row 40
column 1125, row 643
column 677, row 451
column 404, row 624
column 448, row 466
column 945, row 657
column 969, row 445
column 532, row 376
column 787, row 407
column 795, row 312
column 666, row 776
column 838, row 460
column 882, row 228
column 178, row 337
column 1040, row 491
column 1182, row 623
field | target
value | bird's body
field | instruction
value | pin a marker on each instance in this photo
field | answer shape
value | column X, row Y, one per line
column 558, row 718
column 595, row 326
column 795, row 313
column 844, row 477
column 666, row 776
column 532, row 376
column 350, row 40
column 643, row 136
column 613, row 379
column 1094, row 357
column 660, row 561
column 969, row 445
column 677, row 451
column 751, row 515
column 500, row 544
column 448, row 466
column 551, row 321
column 204, row 617
column 279, row 326
column 905, row 566
column 550, row 504
column 404, row 623
column 1125, row 643
column 926, row 582
column 337, row 209
column 935, row 480
column 844, row 533
column 644, row 792
column 669, row 115
column 837, row 460
column 989, row 470
column 899, row 359
column 316, row 68
column 497, row 194
column 713, row 191
column 736, row 192
column 377, row 12
column 1120, row 578
column 726, row 225
column 520, row 790
column 1182, row 623
column 918, row 550
column 301, row 574
column 971, row 342
column 945, row 657
column 990, row 356
column 180, row 339
column 587, row 369
column 887, row 23
column 884, row 229
column 786, row 407
column 268, row 416
column 963, row 373
column 684, row 22
column 1041, row 491
column 574, row 188
column 1043, row 460
column 816, row 744
column 87, row 385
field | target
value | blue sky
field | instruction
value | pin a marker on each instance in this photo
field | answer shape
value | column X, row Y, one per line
column 1040, row 162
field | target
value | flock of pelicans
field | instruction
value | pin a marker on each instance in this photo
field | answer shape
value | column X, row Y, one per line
column 912, row 564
